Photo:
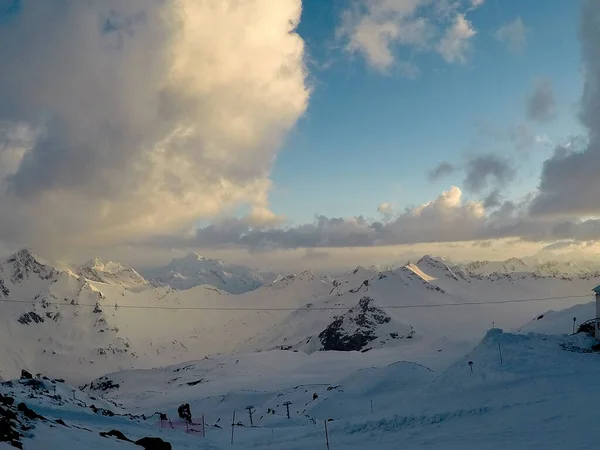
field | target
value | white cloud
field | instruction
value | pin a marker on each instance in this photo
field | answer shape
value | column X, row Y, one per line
column 513, row 35
column 456, row 42
column 379, row 29
column 152, row 114
column 375, row 27
column 386, row 210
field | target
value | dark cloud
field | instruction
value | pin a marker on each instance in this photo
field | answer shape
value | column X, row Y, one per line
column 541, row 105
column 483, row 170
column 443, row 169
column 493, row 200
column 570, row 182
column 522, row 137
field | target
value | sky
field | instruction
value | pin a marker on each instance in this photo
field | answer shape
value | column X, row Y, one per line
column 286, row 133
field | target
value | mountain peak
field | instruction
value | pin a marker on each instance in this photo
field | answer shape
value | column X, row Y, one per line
column 24, row 263
column 194, row 270
column 111, row 272
column 103, row 265
column 431, row 261
column 22, row 255
column 192, row 256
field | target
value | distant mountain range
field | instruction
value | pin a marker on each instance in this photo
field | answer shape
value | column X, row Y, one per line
column 194, row 270
column 104, row 316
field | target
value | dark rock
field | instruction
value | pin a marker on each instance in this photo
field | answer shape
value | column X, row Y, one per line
column 9, row 431
column 17, row 444
column 104, row 412
column 7, row 413
column 185, row 412
column 61, row 422
column 153, row 443
column 364, row 322
column 7, row 401
column 29, row 413
column 116, row 434
column 3, row 289
column 35, row 384
column 103, row 384
column 26, row 375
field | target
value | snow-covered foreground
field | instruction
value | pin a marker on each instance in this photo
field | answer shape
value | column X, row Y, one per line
column 543, row 394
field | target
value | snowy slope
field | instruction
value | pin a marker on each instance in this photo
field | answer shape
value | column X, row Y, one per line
column 195, row 270
column 542, row 394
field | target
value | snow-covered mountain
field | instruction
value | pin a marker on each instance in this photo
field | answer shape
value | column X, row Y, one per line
column 60, row 322
column 488, row 267
column 195, row 270
column 544, row 268
column 408, row 363
column 112, row 273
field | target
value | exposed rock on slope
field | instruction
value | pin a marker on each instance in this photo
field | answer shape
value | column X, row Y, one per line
column 359, row 327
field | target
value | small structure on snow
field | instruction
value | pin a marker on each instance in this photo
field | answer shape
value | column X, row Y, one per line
column 597, row 327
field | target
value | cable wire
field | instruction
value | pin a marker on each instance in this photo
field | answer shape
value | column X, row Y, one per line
column 302, row 308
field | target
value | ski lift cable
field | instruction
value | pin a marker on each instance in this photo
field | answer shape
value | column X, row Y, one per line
column 302, row 308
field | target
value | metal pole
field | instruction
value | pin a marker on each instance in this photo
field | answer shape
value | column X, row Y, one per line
column 326, row 435
column 371, row 406
column 203, row 427
column 250, row 411
column 232, row 426
column 287, row 407
column 500, row 352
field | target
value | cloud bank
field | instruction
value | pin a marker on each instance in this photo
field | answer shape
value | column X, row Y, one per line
column 569, row 182
column 120, row 120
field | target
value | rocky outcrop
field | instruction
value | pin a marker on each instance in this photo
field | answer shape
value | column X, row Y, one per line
column 14, row 421
column 153, row 443
column 357, row 328
column 23, row 264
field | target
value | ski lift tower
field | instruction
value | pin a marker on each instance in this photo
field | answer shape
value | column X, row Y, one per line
column 597, row 327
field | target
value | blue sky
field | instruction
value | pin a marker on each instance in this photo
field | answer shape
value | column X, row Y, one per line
column 369, row 137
